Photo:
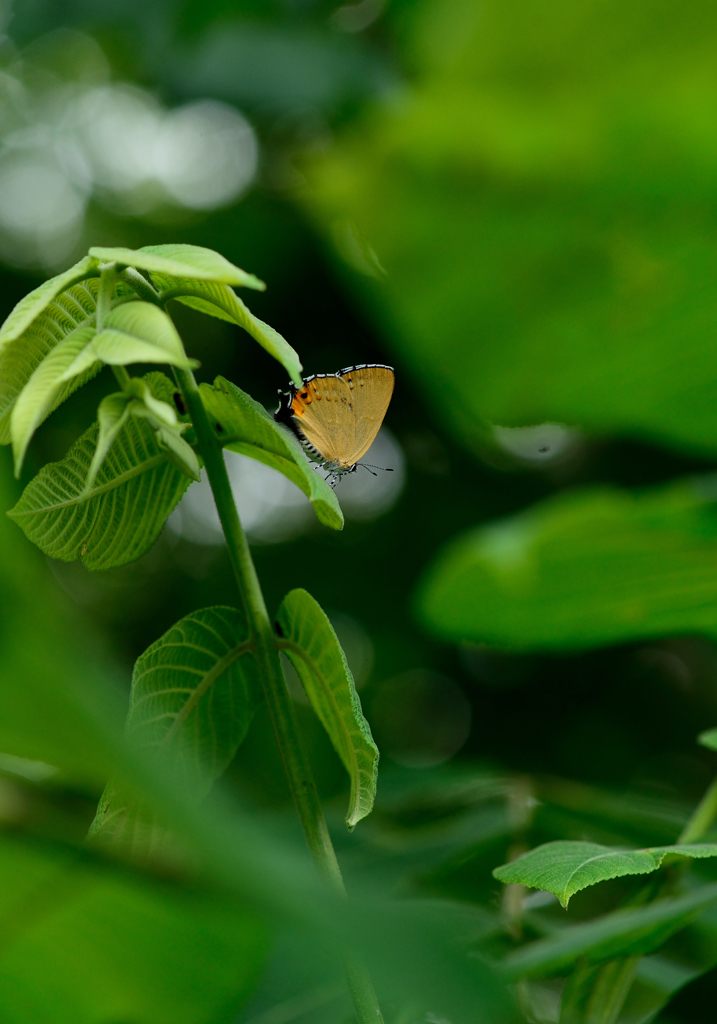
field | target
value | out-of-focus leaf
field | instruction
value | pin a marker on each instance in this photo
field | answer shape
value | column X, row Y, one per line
column 134, row 491
column 583, row 569
column 244, row 426
column 48, row 673
column 544, row 216
column 564, row 868
column 100, row 946
column 312, row 647
column 180, row 260
column 69, row 311
column 708, row 739
column 194, row 694
column 40, row 394
column 621, row 933
column 220, row 301
column 135, row 332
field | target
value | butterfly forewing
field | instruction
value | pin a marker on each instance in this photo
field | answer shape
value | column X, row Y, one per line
column 371, row 388
column 326, row 416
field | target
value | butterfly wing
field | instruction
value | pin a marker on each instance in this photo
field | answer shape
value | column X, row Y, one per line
column 324, row 410
column 370, row 388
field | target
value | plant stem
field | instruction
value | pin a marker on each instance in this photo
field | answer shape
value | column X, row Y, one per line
column 281, row 709
column 702, row 817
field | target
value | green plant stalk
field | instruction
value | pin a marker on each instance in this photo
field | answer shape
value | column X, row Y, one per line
column 281, row 710
column 702, row 817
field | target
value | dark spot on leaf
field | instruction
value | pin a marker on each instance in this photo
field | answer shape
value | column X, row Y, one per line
column 279, row 630
column 219, row 428
column 179, row 403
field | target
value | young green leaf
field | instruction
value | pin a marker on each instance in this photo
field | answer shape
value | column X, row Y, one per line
column 309, row 642
column 135, row 490
column 179, row 260
column 39, row 395
column 565, row 868
column 136, row 332
column 194, row 694
column 111, row 417
column 32, row 305
column 69, row 311
column 180, row 454
column 621, row 933
column 220, row 301
column 244, row 426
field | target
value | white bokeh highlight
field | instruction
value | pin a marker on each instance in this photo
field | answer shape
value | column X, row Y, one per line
column 63, row 145
column 273, row 509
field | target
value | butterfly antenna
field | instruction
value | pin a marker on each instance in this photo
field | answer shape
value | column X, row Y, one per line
column 369, row 467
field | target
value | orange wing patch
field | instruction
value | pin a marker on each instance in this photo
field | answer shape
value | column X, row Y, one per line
column 302, row 400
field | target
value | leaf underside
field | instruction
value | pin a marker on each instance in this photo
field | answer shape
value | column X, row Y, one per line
column 313, row 649
column 248, row 429
column 135, row 490
column 72, row 309
column 220, row 301
column 564, row 868
column 180, row 260
column 194, row 694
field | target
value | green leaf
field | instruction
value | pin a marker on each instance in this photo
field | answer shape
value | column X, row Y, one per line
column 68, row 311
column 621, row 933
column 135, row 490
column 180, row 454
column 708, row 739
column 585, row 568
column 111, row 417
column 135, row 332
column 244, row 426
column 40, row 394
column 192, row 261
column 220, row 301
column 565, row 867
column 311, row 645
column 36, row 302
column 104, row 946
column 194, row 694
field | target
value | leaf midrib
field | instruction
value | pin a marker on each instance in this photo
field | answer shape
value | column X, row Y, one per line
column 601, row 856
column 285, row 644
column 201, row 688
column 152, row 463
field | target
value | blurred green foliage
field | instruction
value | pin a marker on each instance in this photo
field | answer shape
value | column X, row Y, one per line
column 515, row 205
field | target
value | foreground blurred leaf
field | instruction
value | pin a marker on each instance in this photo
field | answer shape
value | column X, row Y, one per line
column 180, row 260
column 565, row 868
column 194, row 694
column 100, row 946
column 309, row 642
column 244, row 426
column 47, row 668
column 220, row 301
column 583, row 569
column 621, row 933
column 544, row 214
column 134, row 491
